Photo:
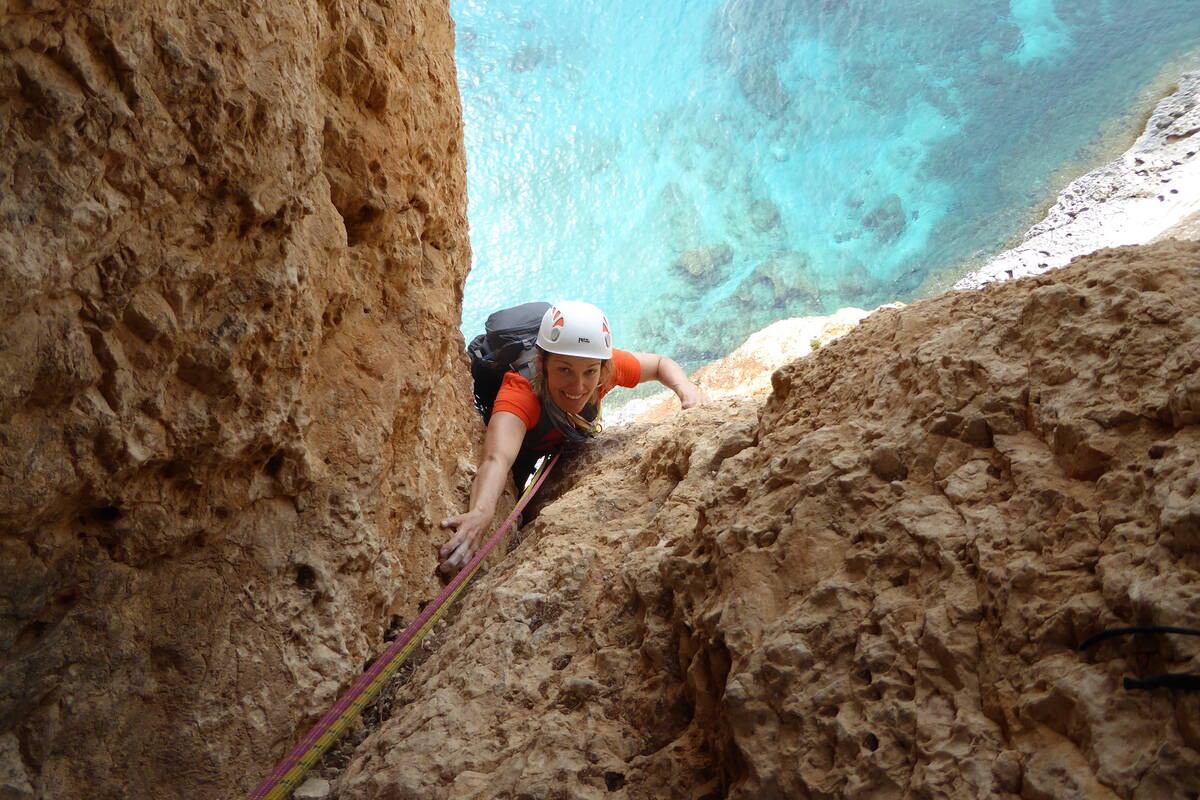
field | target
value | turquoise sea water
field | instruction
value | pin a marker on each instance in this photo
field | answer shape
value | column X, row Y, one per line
column 700, row 169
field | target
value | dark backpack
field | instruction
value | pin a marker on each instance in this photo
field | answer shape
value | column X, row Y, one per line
column 507, row 343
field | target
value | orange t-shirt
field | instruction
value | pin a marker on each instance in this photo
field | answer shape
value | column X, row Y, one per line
column 516, row 394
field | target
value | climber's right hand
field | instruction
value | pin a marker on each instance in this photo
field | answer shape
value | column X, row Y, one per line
column 460, row 547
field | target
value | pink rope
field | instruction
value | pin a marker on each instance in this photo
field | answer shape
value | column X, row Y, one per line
column 382, row 662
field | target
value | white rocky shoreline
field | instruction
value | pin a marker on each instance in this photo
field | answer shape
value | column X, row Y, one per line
column 1150, row 192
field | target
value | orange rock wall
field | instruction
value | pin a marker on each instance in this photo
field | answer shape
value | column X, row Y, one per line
column 232, row 395
column 871, row 585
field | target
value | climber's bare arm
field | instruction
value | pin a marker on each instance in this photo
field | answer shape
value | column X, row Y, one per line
column 670, row 374
column 505, row 433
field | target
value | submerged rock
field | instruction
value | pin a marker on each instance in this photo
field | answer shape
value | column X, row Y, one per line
column 703, row 265
column 679, row 218
column 764, row 215
column 761, row 32
column 779, row 283
column 763, row 90
column 887, row 220
column 526, row 59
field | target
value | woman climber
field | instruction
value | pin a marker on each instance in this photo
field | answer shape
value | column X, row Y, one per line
column 558, row 402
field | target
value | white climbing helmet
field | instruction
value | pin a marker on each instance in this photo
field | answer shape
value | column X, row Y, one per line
column 575, row 328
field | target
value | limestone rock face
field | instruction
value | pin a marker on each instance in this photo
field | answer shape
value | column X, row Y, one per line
column 871, row 584
column 747, row 370
column 232, row 395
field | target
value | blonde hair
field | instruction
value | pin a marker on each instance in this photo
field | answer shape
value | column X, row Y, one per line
column 543, row 392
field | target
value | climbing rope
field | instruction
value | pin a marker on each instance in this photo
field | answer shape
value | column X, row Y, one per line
column 1173, row 680
column 291, row 771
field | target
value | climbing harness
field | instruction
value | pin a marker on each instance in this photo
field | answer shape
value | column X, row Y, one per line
column 291, row 771
column 1168, row 681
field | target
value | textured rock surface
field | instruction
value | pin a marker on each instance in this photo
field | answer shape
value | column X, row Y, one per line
column 869, row 585
column 232, row 244
column 1152, row 191
column 747, row 370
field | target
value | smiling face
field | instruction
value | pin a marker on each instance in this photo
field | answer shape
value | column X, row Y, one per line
column 571, row 380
